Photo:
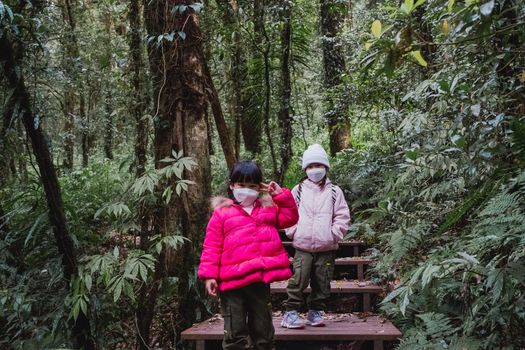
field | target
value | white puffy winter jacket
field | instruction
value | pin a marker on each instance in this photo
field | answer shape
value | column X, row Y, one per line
column 322, row 222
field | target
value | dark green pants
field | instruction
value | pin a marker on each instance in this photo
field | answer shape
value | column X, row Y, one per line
column 247, row 313
column 316, row 269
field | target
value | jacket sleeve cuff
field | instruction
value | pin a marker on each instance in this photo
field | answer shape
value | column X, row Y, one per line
column 210, row 274
column 283, row 198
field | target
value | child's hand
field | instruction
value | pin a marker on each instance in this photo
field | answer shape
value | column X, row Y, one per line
column 211, row 286
column 272, row 188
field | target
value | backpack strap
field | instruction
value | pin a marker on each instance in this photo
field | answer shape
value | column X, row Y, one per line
column 299, row 190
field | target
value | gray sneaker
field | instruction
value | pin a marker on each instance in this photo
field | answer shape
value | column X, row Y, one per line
column 291, row 319
column 314, row 318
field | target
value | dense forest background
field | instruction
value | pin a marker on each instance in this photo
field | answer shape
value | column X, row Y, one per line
column 120, row 119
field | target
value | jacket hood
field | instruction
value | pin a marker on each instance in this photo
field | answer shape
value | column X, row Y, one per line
column 224, row 202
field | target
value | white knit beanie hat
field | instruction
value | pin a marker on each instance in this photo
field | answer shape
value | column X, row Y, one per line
column 315, row 154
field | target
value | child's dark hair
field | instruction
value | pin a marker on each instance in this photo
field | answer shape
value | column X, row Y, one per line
column 244, row 171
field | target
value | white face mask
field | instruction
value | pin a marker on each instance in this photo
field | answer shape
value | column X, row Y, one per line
column 245, row 196
column 316, row 174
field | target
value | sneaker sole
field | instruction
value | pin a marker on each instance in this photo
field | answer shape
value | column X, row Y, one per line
column 292, row 327
column 320, row 324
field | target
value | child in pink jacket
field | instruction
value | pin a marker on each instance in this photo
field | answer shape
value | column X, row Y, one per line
column 323, row 221
column 243, row 254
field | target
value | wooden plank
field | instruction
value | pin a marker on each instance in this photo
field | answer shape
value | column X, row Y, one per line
column 200, row 344
column 339, row 327
column 378, row 345
column 360, row 272
column 353, row 261
column 341, row 287
column 366, row 302
column 351, row 243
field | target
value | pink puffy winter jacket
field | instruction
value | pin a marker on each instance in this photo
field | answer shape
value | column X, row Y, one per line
column 241, row 249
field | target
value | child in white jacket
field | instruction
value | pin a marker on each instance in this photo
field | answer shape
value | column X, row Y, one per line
column 323, row 221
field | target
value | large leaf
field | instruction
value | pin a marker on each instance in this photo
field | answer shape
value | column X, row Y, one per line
column 407, row 6
column 419, row 58
column 376, row 29
column 450, row 5
column 486, row 8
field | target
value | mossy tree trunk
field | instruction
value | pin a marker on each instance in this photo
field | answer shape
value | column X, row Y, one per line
column 332, row 15
column 178, row 70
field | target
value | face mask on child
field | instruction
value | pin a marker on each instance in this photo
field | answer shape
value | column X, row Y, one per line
column 245, row 196
column 316, row 174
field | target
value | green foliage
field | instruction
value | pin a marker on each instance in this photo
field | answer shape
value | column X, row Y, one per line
column 441, row 197
column 102, row 210
column 434, row 178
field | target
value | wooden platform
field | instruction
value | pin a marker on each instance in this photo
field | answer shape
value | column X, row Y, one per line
column 339, row 327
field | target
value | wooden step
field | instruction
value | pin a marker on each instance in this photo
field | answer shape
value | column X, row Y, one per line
column 336, row 287
column 349, row 243
column 355, row 245
column 339, row 327
column 359, row 262
column 365, row 288
column 355, row 261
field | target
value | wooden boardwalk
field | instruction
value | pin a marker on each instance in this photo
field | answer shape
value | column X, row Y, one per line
column 347, row 291
column 339, row 327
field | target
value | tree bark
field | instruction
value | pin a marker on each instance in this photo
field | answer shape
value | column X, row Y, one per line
column 7, row 137
column 108, row 102
column 180, row 81
column 69, row 126
column 252, row 125
column 261, row 38
column 138, row 103
column 85, row 131
column 332, row 14
column 15, row 78
column 220, row 122
column 71, row 54
column 236, row 70
column 285, row 119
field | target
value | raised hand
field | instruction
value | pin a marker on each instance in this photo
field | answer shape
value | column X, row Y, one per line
column 272, row 188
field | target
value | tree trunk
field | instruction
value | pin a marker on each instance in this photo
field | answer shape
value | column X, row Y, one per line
column 14, row 75
column 108, row 103
column 237, row 65
column 229, row 150
column 7, row 138
column 261, row 38
column 285, row 119
column 71, row 54
column 332, row 18
column 85, row 131
column 108, row 131
column 69, row 126
column 179, row 70
column 220, row 122
column 253, row 122
column 138, row 101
